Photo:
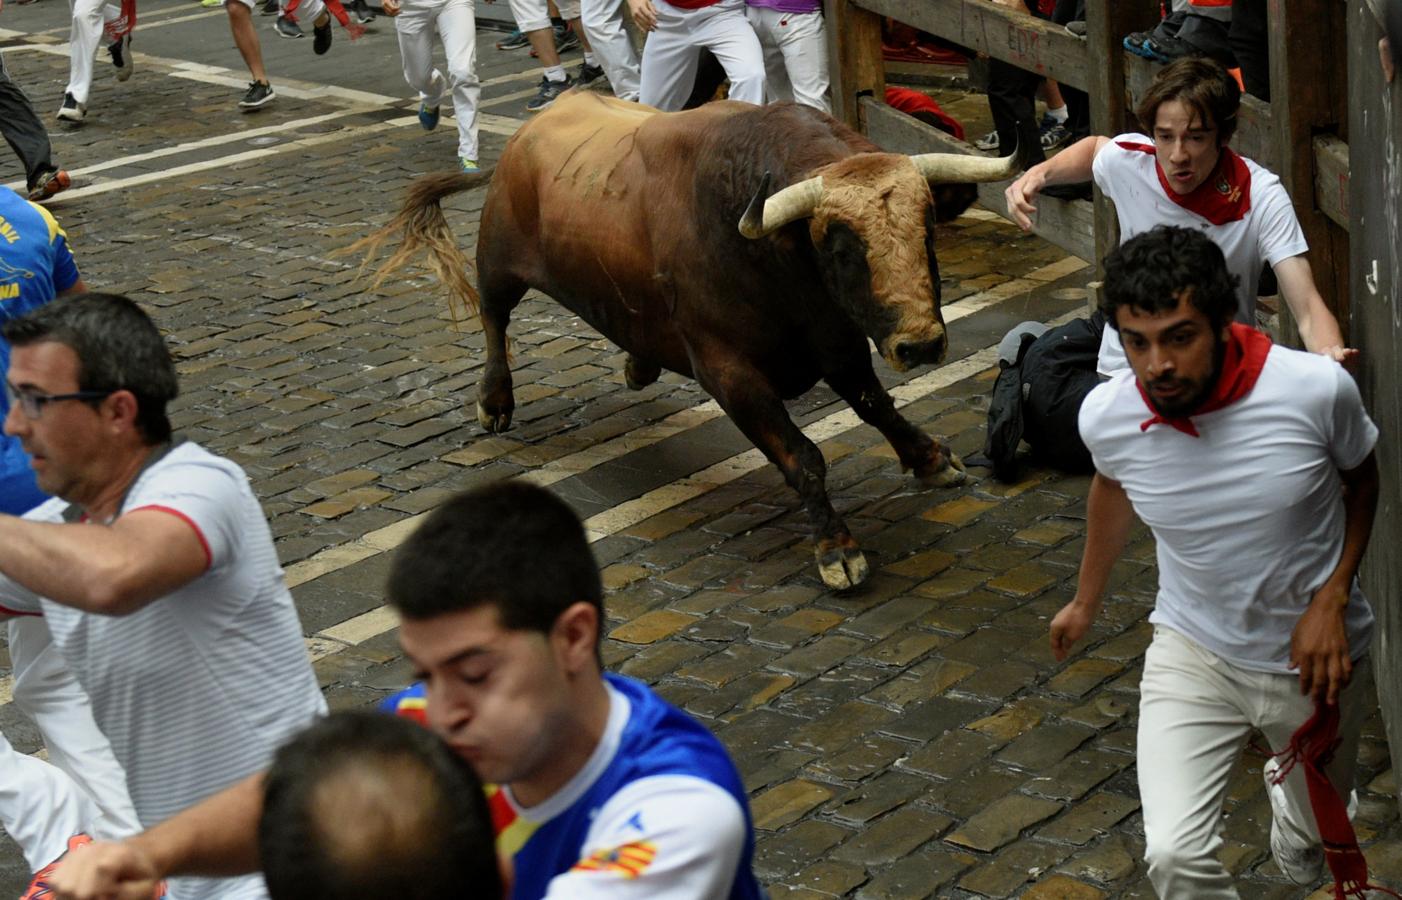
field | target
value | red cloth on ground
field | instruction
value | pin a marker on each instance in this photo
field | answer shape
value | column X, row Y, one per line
column 908, row 101
column 1241, row 367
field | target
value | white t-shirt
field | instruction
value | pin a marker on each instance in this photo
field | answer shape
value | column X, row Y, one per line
column 197, row 689
column 1125, row 169
column 1249, row 516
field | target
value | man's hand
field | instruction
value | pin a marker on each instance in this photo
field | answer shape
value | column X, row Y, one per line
column 1347, row 357
column 1319, row 645
column 106, row 871
column 1070, row 625
column 644, row 14
column 1020, row 195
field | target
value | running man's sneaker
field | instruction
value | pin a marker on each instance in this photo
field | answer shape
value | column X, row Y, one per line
column 287, row 28
column 588, row 74
column 987, row 142
column 428, row 117
column 260, row 94
column 549, row 92
column 321, row 36
column 565, row 39
column 121, row 56
column 514, row 41
column 1052, row 133
column 364, row 15
column 1302, row 865
column 48, row 184
column 71, row 110
column 270, row 8
column 468, row 165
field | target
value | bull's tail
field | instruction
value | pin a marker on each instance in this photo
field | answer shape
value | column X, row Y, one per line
column 424, row 227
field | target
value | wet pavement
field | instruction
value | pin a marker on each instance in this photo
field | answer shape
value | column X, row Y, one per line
column 913, row 738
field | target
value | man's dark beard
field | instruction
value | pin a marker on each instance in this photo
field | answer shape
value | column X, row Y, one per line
column 1186, row 406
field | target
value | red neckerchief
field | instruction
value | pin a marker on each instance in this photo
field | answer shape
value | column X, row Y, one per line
column 1313, row 746
column 1224, row 197
column 1241, row 366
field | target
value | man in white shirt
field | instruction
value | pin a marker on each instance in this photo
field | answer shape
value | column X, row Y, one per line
column 153, row 566
column 1253, row 467
column 1183, row 173
column 600, row 788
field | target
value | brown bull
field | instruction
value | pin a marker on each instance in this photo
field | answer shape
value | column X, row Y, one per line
column 658, row 229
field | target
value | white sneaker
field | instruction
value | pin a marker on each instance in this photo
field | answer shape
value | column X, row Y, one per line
column 1302, row 865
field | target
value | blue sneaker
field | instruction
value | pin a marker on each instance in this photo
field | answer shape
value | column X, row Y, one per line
column 514, row 41
column 428, row 117
column 469, row 165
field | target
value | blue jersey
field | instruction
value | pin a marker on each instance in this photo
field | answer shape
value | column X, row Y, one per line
column 35, row 265
column 636, row 819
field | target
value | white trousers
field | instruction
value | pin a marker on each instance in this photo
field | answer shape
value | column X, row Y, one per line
column 88, row 18
column 1195, row 712
column 82, row 788
column 795, row 55
column 456, row 25
column 673, row 49
column 603, row 26
column 532, row 15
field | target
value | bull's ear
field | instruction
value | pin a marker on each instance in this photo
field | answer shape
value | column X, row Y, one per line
column 952, row 199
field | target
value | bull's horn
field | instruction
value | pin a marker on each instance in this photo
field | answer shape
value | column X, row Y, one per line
column 954, row 167
column 797, row 201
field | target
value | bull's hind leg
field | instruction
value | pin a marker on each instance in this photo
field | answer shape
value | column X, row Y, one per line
column 495, row 401
column 758, row 411
column 934, row 464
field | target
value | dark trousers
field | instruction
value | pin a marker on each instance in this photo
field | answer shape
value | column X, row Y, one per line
column 22, row 129
column 1250, row 44
column 1012, row 99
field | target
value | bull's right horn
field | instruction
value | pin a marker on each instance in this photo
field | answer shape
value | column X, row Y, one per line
column 955, row 168
column 797, row 201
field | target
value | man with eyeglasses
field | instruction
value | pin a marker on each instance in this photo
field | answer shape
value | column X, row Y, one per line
column 80, row 790
column 152, row 564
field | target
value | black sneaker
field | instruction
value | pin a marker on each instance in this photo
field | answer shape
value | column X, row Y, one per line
column 566, row 40
column 120, row 49
column 260, row 94
column 364, row 15
column 588, row 74
column 287, row 28
column 321, row 36
column 270, row 8
column 71, row 110
column 550, row 91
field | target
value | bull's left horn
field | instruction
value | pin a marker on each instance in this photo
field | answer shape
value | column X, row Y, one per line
column 797, row 201
column 955, row 167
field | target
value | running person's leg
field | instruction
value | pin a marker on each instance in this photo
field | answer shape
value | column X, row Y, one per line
column 602, row 22
column 85, row 34
column 670, row 59
column 260, row 92
column 803, row 41
column 765, row 22
column 725, row 31
column 457, row 28
column 26, row 136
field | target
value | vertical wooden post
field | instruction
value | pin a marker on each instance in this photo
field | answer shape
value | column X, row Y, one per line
column 1107, row 23
column 854, row 54
column 1308, row 96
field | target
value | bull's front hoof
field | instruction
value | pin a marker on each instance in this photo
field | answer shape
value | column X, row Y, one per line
column 949, row 475
column 638, row 374
column 841, row 568
column 493, row 423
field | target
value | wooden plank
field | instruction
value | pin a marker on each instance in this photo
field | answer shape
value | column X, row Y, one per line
column 856, row 68
column 1331, row 183
column 1304, row 39
column 1014, row 37
column 1068, row 224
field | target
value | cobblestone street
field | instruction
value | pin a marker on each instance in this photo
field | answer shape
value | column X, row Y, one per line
column 913, row 738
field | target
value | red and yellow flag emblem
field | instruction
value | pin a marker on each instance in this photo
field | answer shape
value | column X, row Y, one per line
column 628, row 860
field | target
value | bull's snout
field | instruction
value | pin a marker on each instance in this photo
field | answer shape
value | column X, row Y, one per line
column 907, row 353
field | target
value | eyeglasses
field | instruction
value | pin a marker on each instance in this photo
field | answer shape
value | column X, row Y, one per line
column 32, row 402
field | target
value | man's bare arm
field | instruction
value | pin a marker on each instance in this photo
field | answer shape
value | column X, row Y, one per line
column 1318, row 327
column 1319, row 645
column 1109, row 517
column 111, row 569
column 218, row 837
column 1070, row 166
